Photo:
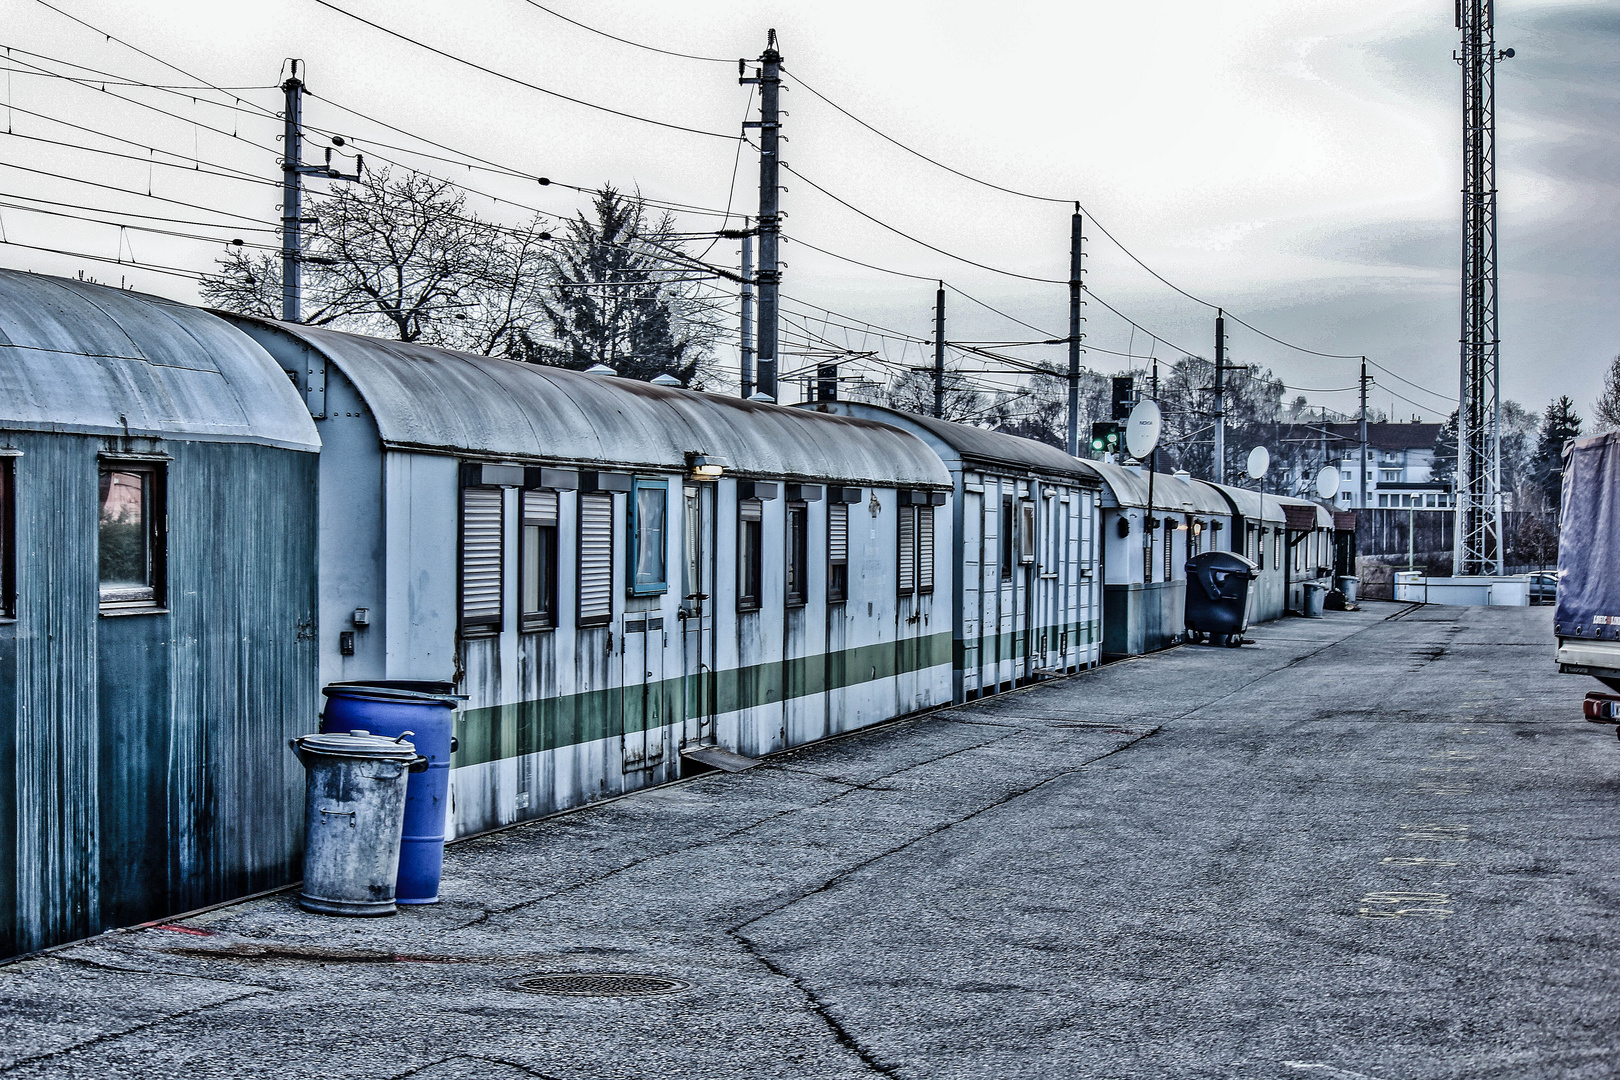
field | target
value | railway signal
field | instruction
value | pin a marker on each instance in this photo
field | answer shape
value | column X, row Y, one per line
column 1105, row 437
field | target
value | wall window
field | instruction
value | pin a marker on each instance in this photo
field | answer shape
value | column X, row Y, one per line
column 916, row 549
column 1277, row 547
column 750, row 567
column 1026, row 531
column 798, row 553
column 1169, row 550
column 483, row 529
column 8, row 537
column 132, row 541
column 649, row 550
column 595, row 559
column 692, row 572
column 837, row 553
column 537, row 569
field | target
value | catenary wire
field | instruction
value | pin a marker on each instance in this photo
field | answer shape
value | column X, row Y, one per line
column 627, row 41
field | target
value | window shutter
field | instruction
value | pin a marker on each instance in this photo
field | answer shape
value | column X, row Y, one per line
column 481, row 528
column 595, row 559
column 908, row 549
column 838, row 533
column 540, row 508
column 925, row 548
column 750, row 510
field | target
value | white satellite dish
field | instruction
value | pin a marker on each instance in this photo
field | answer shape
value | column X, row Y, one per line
column 1327, row 482
column 1259, row 462
column 1142, row 429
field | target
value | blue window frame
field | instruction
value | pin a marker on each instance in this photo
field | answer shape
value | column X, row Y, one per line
column 649, row 548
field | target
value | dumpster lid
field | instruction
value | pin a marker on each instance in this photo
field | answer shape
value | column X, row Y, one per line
column 396, row 691
column 357, row 744
column 1221, row 560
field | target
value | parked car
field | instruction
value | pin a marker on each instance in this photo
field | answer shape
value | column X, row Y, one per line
column 1543, row 586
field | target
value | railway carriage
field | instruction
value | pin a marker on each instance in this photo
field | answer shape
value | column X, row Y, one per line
column 1024, row 551
column 1259, row 533
column 157, row 610
column 1148, row 538
column 614, row 572
column 1308, row 528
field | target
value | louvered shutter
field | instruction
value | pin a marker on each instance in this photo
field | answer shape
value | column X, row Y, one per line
column 595, row 559
column 838, row 533
column 925, row 549
column 540, row 508
column 908, row 549
column 481, row 558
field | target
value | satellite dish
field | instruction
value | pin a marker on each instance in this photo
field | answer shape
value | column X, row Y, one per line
column 1259, row 462
column 1142, row 429
column 1327, row 482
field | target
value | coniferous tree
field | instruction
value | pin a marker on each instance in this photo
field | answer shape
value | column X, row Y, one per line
column 1559, row 424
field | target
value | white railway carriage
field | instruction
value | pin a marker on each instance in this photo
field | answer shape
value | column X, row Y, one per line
column 1024, row 549
column 1259, row 533
column 1308, row 528
column 1148, row 537
column 614, row 572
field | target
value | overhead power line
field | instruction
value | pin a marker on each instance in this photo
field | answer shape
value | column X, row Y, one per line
column 514, row 80
column 627, row 41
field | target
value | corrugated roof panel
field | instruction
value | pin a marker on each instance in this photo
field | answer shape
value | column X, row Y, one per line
column 81, row 357
column 429, row 398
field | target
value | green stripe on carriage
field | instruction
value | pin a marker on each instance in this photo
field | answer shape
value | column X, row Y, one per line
column 528, row 727
column 991, row 647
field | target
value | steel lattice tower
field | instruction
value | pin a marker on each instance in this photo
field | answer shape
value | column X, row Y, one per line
column 1478, row 545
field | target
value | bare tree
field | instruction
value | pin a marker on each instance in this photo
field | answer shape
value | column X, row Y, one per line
column 1606, row 413
column 401, row 256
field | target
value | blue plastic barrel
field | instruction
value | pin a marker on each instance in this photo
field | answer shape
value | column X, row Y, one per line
column 391, row 710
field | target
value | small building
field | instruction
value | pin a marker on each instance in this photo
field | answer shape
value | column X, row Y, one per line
column 1400, row 466
column 1309, row 531
column 1259, row 534
column 157, row 610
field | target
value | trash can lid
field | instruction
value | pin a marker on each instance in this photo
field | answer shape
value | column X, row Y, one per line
column 357, row 744
column 374, row 692
column 1229, row 561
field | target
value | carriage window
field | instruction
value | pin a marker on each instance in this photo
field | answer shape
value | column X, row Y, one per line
column 837, row 553
column 1026, row 531
column 750, row 569
column 595, row 559
column 1169, row 551
column 798, row 553
column 483, row 526
column 131, row 534
column 1006, row 538
column 648, row 550
column 691, row 583
column 8, row 538
column 908, row 550
column 537, row 570
column 925, row 549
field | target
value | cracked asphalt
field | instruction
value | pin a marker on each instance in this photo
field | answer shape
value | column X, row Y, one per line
column 1378, row 845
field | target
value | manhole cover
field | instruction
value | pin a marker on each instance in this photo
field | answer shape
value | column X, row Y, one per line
column 599, row 984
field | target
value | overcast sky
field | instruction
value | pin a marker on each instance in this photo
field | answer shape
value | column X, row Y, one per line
column 1298, row 163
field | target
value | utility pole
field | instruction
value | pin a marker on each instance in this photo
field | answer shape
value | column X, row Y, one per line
column 1477, row 548
column 769, row 80
column 746, row 346
column 1076, row 270
column 939, row 352
column 293, row 170
column 1218, row 468
column 1361, row 471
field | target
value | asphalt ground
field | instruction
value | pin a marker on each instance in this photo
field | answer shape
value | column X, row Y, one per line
column 1377, row 845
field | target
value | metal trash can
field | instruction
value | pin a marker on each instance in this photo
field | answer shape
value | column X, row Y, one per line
column 354, row 804
column 1218, row 596
column 1347, row 585
column 426, row 713
column 1315, row 593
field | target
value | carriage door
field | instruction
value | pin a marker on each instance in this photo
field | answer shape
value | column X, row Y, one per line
column 697, row 623
column 1027, row 584
column 972, row 613
column 645, row 703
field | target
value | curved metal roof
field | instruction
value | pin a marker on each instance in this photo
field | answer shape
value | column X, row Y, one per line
column 1254, row 505
column 78, row 357
column 438, row 400
column 1129, row 487
column 969, row 443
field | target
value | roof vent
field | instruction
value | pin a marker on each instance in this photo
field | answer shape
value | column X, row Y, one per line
column 600, row 369
column 1182, row 474
column 666, row 380
column 766, row 398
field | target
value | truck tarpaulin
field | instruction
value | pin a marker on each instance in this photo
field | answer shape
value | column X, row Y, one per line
column 1589, row 547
